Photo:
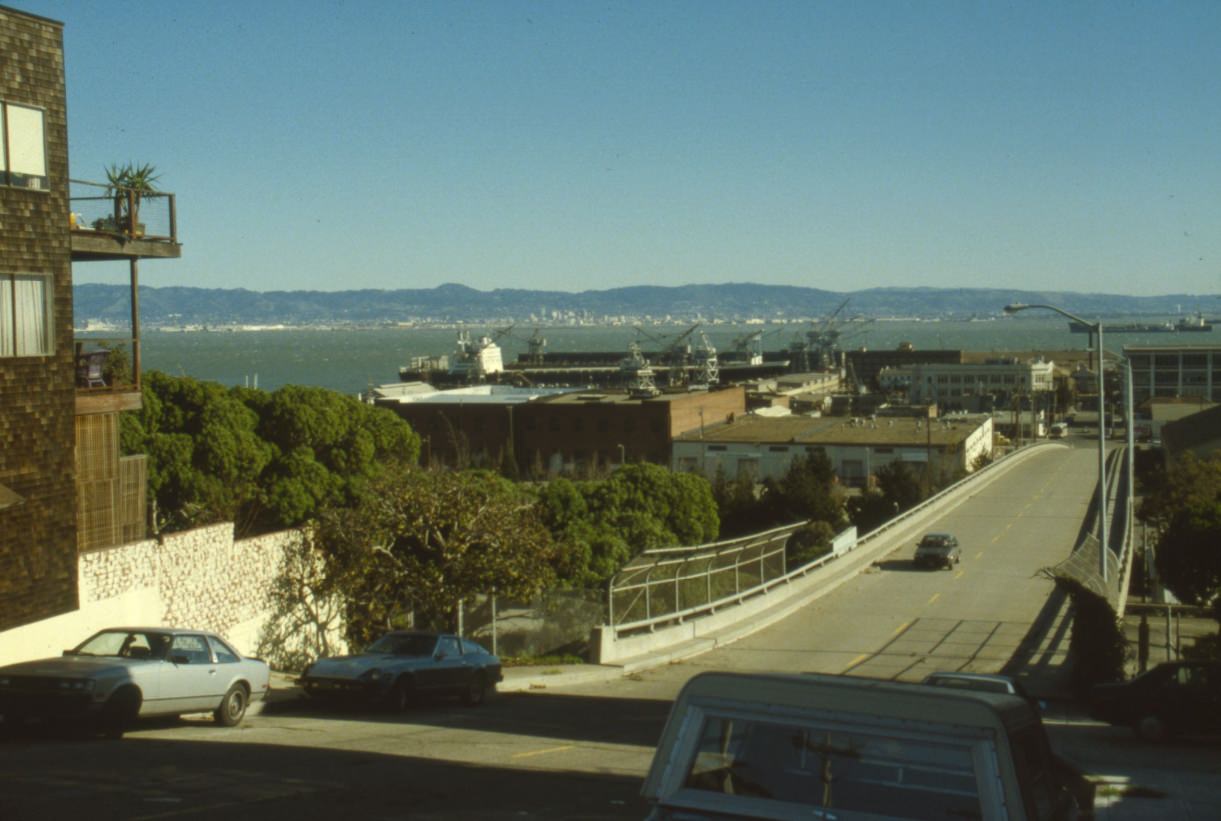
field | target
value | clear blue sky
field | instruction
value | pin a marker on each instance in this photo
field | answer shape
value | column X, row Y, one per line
column 573, row 145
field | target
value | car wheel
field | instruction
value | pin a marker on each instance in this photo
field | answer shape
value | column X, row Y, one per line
column 233, row 708
column 476, row 691
column 1151, row 728
column 119, row 713
column 402, row 695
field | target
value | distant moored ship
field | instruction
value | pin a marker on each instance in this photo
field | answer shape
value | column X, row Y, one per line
column 1186, row 324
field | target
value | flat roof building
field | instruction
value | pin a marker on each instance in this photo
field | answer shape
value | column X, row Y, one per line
column 765, row 447
column 554, row 430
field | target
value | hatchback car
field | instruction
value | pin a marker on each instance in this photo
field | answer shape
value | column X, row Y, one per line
column 938, row 550
column 124, row 673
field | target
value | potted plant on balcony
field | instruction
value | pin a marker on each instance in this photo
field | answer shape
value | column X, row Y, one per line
column 128, row 184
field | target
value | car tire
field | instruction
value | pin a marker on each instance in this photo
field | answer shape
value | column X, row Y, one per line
column 232, row 707
column 119, row 713
column 1151, row 728
column 476, row 691
column 401, row 695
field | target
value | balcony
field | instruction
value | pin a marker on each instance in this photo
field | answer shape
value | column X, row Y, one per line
column 102, row 227
column 106, row 381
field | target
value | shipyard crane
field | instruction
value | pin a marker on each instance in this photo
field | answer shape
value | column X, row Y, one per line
column 749, row 347
column 817, row 350
column 676, row 352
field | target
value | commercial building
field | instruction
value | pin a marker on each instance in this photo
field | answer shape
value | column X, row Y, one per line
column 765, row 447
column 63, row 486
column 550, row 430
column 864, row 367
column 1175, row 370
column 972, row 386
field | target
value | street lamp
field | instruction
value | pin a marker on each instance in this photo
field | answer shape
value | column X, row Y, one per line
column 1096, row 328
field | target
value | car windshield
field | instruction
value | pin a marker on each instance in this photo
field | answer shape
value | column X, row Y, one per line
column 136, row 644
column 401, row 645
column 936, row 540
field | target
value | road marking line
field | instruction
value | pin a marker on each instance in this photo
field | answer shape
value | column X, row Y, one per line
column 532, row 753
column 979, row 555
column 934, row 598
column 958, row 575
column 902, row 627
column 857, row 660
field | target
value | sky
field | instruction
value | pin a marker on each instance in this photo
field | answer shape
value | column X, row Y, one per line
column 1069, row 146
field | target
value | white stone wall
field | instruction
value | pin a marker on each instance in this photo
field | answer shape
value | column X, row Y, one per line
column 200, row 578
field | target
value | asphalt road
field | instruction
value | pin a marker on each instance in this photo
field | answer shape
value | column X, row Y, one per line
column 581, row 752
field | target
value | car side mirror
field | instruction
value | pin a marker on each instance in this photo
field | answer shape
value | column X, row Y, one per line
column 69, row 652
column 440, row 654
column 179, row 659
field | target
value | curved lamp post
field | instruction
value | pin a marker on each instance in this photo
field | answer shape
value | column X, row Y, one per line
column 1096, row 327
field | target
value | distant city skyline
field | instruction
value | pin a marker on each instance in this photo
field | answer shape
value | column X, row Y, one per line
column 572, row 146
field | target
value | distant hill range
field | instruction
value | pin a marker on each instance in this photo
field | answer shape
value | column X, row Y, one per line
column 181, row 306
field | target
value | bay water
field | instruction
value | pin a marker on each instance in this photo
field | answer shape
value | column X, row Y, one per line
column 351, row 360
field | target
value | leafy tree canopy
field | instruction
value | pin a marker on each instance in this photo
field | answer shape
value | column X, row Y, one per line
column 1184, row 504
column 420, row 541
column 263, row 460
column 599, row 525
column 806, row 492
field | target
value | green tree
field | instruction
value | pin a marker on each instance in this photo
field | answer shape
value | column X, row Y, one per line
column 420, row 541
column 205, row 455
column 262, row 460
column 807, row 491
column 649, row 506
column 1184, row 506
column 870, row 510
column 900, row 485
column 738, row 506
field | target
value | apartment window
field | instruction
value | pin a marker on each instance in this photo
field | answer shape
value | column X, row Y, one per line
column 25, row 315
column 23, row 152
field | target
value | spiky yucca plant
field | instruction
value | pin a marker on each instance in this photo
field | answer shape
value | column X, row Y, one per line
column 128, row 183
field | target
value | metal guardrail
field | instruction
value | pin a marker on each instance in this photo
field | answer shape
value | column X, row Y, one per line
column 672, row 584
column 682, row 607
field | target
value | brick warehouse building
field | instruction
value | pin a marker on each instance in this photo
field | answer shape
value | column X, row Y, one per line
column 556, row 430
column 63, row 486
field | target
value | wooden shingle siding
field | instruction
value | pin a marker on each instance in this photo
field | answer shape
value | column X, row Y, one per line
column 38, row 551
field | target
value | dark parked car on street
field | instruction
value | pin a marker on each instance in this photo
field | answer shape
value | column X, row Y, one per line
column 124, row 673
column 1174, row 697
column 402, row 665
column 938, row 550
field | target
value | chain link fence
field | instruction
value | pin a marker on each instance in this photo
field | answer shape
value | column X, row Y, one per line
column 554, row 623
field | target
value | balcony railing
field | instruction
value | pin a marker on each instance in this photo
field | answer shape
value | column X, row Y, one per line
column 105, row 365
column 122, row 212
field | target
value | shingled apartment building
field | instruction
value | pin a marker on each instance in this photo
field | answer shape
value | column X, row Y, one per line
column 63, row 486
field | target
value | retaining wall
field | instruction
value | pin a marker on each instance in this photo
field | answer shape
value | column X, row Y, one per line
column 200, row 578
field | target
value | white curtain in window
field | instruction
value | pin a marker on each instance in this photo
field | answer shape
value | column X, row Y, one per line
column 26, row 141
column 30, row 299
column 6, row 315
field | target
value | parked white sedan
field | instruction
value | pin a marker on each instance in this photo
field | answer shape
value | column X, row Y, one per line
column 125, row 673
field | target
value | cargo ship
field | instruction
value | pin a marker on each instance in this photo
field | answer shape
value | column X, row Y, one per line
column 1186, row 324
column 480, row 360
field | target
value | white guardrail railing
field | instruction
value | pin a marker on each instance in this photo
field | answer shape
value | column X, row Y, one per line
column 670, row 585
